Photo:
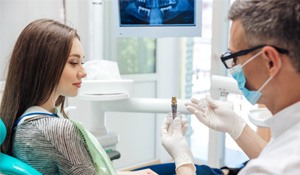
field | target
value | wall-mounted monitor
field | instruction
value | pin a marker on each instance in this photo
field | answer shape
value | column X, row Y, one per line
column 157, row 18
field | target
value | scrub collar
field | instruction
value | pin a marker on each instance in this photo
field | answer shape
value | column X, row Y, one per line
column 32, row 112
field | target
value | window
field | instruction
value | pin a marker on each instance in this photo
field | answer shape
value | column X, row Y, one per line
column 136, row 55
column 201, row 81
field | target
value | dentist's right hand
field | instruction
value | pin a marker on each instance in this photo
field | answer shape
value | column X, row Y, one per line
column 217, row 116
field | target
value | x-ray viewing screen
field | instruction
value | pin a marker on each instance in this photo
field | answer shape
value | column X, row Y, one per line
column 140, row 13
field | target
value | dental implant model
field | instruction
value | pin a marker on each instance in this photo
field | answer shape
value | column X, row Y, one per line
column 174, row 107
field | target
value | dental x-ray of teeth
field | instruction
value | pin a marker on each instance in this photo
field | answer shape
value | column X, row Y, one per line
column 157, row 12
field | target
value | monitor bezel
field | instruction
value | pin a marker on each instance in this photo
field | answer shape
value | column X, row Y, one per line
column 157, row 31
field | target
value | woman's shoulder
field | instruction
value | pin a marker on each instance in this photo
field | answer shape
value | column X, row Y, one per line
column 55, row 138
column 50, row 127
column 48, row 122
column 51, row 131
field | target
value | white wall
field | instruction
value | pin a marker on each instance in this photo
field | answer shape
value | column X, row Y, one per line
column 15, row 15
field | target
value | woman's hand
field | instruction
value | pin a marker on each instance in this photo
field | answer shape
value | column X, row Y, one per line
column 139, row 172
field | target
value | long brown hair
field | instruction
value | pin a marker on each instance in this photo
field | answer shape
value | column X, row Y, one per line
column 35, row 67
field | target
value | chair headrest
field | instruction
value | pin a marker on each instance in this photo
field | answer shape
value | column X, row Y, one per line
column 2, row 131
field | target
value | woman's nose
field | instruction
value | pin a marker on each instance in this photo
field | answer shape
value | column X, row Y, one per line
column 82, row 73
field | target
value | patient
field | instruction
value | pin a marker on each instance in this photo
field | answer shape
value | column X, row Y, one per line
column 45, row 67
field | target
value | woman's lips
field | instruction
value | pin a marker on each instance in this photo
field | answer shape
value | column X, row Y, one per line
column 77, row 84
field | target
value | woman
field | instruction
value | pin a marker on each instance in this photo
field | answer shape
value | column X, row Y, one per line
column 45, row 67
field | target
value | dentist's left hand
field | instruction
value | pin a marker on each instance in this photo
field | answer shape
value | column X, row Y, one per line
column 217, row 116
column 172, row 136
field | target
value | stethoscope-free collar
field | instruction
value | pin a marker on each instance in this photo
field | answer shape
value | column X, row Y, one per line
column 27, row 116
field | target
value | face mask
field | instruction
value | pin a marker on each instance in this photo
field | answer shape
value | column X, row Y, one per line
column 238, row 74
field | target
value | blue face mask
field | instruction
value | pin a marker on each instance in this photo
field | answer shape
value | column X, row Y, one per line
column 238, row 74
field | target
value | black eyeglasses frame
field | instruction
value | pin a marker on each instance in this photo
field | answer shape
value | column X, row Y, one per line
column 230, row 55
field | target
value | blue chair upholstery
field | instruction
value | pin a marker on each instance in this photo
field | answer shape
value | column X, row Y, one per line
column 10, row 165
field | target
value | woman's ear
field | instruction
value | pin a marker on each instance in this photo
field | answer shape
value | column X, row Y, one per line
column 273, row 59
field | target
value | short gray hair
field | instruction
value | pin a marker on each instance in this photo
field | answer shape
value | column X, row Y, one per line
column 274, row 22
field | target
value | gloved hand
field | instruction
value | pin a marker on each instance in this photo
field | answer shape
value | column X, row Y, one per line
column 217, row 115
column 172, row 136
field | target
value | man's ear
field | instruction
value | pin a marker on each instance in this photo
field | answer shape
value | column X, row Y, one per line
column 273, row 59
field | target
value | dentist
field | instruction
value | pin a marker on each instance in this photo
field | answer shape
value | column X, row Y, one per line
column 264, row 58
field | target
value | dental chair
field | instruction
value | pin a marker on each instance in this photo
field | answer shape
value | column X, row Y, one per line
column 10, row 165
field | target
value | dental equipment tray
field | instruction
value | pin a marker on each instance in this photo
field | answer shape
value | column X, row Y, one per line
column 102, row 87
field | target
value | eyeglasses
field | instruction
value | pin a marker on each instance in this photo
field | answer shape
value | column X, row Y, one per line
column 229, row 59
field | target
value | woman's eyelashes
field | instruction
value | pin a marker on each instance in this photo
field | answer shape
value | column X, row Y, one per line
column 75, row 63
